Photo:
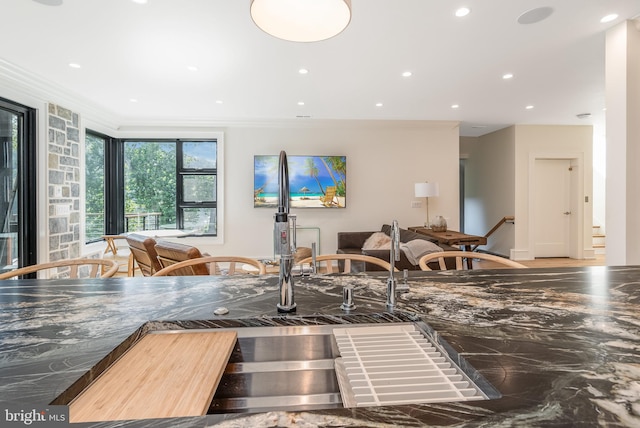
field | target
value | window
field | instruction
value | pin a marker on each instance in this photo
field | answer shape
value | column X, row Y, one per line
column 94, row 226
column 134, row 185
column 149, row 185
column 197, row 180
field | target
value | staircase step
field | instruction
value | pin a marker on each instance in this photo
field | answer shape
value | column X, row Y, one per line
column 598, row 245
column 598, row 235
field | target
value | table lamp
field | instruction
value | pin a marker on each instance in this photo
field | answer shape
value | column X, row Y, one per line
column 426, row 190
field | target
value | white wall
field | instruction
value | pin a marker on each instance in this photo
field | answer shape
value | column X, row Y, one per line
column 623, row 152
column 384, row 160
column 490, row 187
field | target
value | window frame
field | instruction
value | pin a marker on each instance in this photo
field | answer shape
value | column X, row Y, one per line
column 114, row 180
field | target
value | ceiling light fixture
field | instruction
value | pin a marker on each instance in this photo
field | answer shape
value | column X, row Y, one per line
column 407, row 74
column 529, row 107
column 140, row 1
column 609, row 18
column 303, row 71
column 300, row 103
column 49, row 2
column 507, row 76
column 378, row 104
column 463, row 11
column 299, row 21
column 74, row 65
column 455, row 106
column 192, row 68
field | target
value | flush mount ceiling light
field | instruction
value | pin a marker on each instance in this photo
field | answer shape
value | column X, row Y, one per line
column 301, row 20
column 49, row 2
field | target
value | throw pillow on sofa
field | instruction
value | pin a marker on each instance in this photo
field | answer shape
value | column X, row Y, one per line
column 377, row 241
column 417, row 248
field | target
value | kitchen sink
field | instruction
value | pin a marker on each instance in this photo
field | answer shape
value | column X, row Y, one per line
column 313, row 363
column 285, row 368
column 297, row 368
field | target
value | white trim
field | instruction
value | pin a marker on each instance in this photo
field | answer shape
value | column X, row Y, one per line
column 520, row 255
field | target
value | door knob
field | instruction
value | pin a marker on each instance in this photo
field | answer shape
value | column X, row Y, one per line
column 566, row 212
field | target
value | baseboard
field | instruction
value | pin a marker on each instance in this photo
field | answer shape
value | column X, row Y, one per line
column 520, row 255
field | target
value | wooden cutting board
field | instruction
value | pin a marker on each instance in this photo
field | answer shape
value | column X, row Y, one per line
column 163, row 375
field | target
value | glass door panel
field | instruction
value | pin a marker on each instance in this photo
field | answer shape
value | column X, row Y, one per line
column 9, row 141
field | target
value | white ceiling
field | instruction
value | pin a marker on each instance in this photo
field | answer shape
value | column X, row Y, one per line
column 132, row 51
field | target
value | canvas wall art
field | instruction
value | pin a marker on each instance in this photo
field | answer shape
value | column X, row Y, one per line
column 314, row 181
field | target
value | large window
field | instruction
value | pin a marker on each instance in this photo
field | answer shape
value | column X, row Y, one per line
column 94, row 187
column 151, row 184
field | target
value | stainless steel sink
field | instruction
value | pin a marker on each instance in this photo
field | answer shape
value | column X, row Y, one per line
column 299, row 368
column 280, row 368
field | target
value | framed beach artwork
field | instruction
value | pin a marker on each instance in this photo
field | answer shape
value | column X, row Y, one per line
column 314, row 181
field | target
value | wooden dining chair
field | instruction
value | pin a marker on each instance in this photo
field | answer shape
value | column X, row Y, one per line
column 326, row 265
column 461, row 256
column 144, row 253
column 216, row 265
column 118, row 249
column 71, row 268
column 170, row 253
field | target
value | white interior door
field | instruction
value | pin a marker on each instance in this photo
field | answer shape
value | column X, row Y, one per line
column 552, row 207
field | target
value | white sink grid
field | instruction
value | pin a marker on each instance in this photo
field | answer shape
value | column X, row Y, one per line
column 396, row 365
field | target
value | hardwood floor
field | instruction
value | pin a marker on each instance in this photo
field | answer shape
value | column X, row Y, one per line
column 548, row 262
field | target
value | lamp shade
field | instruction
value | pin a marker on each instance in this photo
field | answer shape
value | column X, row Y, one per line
column 426, row 190
column 301, row 20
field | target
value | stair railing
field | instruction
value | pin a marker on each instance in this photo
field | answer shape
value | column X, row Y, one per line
column 506, row 219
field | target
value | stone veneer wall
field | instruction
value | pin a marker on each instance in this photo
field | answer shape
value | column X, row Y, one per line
column 63, row 185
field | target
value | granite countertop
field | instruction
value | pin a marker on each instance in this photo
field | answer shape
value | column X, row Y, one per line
column 561, row 345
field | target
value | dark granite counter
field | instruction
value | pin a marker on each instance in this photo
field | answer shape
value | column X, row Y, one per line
column 561, row 345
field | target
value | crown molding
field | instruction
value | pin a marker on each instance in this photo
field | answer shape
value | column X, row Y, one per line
column 36, row 87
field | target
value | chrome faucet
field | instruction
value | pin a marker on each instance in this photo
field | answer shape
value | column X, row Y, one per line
column 394, row 256
column 284, row 238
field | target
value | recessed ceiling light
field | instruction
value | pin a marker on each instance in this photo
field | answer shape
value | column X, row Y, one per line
column 407, row 74
column 609, row 18
column 133, row 100
column 463, row 11
column 535, row 15
column 529, row 107
column 140, row 1
column 507, row 76
column 74, row 65
column 303, row 71
column 300, row 103
column 49, row 2
column 218, row 101
column 192, row 68
column 378, row 104
column 455, row 106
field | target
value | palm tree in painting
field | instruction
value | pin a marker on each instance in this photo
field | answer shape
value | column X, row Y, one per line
column 312, row 171
column 338, row 165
